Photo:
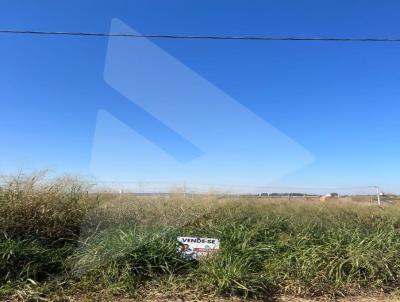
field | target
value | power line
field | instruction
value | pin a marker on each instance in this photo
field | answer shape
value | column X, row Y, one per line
column 198, row 37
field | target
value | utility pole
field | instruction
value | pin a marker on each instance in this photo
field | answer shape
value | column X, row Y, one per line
column 378, row 194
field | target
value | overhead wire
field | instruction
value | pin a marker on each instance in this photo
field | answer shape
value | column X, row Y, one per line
column 196, row 37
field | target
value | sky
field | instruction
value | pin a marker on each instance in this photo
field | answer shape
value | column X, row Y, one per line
column 66, row 106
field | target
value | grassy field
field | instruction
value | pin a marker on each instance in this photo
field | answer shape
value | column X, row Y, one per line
column 58, row 242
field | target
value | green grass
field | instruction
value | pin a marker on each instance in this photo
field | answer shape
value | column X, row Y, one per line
column 58, row 238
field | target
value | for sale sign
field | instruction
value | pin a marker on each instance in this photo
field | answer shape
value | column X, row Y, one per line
column 194, row 247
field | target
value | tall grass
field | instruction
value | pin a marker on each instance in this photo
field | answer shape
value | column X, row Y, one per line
column 55, row 230
column 34, row 206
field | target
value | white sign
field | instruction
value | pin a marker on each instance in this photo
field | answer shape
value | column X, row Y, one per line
column 194, row 247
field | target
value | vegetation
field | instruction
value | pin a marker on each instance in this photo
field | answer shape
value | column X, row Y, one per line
column 57, row 239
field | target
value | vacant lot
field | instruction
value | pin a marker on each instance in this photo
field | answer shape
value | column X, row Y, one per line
column 59, row 242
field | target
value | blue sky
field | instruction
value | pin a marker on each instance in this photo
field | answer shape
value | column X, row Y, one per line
column 340, row 101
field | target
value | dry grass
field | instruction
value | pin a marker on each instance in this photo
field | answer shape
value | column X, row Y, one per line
column 59, row 242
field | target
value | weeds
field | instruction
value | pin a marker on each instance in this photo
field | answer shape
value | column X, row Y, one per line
column 55, row 231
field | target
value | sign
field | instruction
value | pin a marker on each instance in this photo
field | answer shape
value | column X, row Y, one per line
column 193, row 248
